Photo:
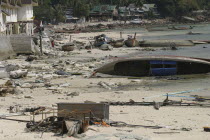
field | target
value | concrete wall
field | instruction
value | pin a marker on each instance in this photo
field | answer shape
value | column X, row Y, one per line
column 16, row 44
column 1, row 20
column 5, row 48
column 23, row 44
column 25, row 13
column 13, row 14
column 13, row 17
column 29, row 29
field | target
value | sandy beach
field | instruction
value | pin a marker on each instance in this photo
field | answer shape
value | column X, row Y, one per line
column 184, row 123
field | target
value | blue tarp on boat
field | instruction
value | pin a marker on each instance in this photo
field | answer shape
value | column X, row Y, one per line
column 163, row 71
column 163, row 62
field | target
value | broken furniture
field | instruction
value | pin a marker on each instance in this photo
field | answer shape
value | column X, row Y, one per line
column 72, row 118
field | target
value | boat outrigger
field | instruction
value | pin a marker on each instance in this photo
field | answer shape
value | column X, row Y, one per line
column 156, row 66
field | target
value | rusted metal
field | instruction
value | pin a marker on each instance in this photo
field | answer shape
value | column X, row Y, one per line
column 100, row 110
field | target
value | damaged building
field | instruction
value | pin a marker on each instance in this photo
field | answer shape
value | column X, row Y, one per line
column 103, row 13
column 16, row 16
column 16, row 26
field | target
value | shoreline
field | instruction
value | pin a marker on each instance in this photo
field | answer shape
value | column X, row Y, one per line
column 117, row 25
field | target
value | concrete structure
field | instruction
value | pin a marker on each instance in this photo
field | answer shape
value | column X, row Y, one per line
column 6, row 49
column 130, row 12
column 103, row 13
column 150, row 8
column 16, row 27
column 26, row 16
column 16, row 16
column 23, row 44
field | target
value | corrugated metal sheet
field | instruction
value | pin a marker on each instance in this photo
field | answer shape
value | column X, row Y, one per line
column 99, row 110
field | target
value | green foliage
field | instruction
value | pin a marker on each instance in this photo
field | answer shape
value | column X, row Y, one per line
column 178, row 8
column 53, row 10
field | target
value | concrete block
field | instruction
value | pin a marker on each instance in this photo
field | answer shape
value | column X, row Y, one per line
column 6, row 50
column 23, row 44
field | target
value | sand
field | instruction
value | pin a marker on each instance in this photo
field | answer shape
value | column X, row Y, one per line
column 173, row 119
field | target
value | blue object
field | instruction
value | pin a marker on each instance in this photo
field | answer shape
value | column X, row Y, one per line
column 163, row 62
column 161, row 69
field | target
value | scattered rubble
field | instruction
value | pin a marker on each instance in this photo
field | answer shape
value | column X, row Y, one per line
column 108, row 86
column 3, row 72
column 73, row 94
column 106, row 47
column 48, row 72
column 18, row 74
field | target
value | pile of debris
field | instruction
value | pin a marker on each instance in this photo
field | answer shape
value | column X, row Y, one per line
column 72, row 119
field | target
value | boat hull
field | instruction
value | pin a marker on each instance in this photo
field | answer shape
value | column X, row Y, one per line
column 156, row 66
column 165, row 43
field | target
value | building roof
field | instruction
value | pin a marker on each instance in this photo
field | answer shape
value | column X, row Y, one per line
column 148, row 7
column 29, row 1
column 132, row 5
column 123, row 9
column 103, row 9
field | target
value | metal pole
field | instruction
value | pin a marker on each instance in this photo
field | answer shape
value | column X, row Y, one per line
column 133, row 40
column 135, row 36
column 40, row 37
column 42, row 115
column 33, row 117
column 70, row 38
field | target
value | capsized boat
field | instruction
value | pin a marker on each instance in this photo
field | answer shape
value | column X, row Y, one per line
column 136, row 21
column 156, row 66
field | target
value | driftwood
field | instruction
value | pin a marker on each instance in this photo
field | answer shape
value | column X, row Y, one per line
column 123, row 124
column 157, row 105
column 15, row 120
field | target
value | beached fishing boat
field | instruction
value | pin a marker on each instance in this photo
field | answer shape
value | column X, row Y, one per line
column 165, row 43
column 156, row 66
column 70, row 31
column 192, row 33
column 157, row 29
column 131, row 42
column 180, row 28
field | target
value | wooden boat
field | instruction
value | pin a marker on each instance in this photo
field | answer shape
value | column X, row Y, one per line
column 117, row 43
column 165, row 43
column 180, row 28
column 68, row 47
column 207, row 41
column 192, row 33
column 199, row 42
column 70, row 31
column 131, row 43
column 156, row 66
column 156, row 29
